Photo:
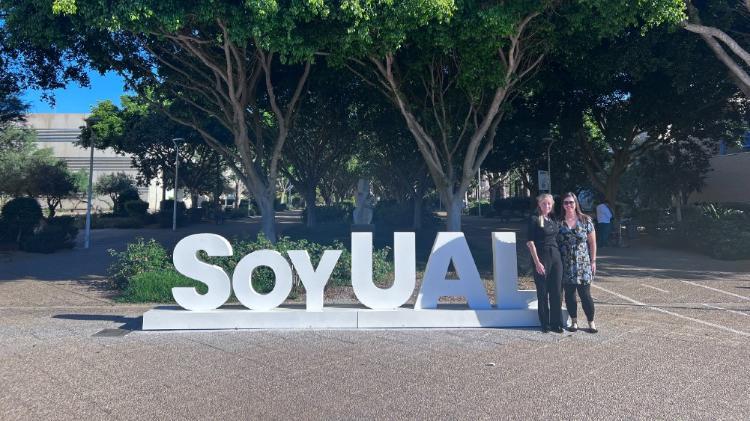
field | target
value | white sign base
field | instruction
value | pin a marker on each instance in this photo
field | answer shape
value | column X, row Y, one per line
column 445, row 316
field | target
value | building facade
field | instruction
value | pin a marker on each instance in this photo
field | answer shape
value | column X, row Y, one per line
column 59, row 132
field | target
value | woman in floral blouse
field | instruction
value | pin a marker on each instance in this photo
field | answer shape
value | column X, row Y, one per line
column 577, row 241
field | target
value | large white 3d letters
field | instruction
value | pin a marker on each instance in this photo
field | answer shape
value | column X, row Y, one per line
column 187, row 263
column 514, row 307
column 451, row 246
column 448, row 247
column 405, row 276
column 242, row 280
column 505, row 270
column 314, row 280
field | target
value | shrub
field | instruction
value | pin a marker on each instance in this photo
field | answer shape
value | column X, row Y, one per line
column 5, row 235
column 240, row 212
column 138, row 257
column 21, row 214
column 125, row 196
column 474, row 208
column 166, row 209
column 195, row 215
column 49, row 239
column 401, row 215
column 715, row 230
column 128, row 223
column 335, row 213
column 136, row 208
column 513, row 207
column 156, row 286
column 263, row 278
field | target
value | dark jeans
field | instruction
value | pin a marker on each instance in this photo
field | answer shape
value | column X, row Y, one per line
column 549, row 288
column 584, row 291
column 602, row 234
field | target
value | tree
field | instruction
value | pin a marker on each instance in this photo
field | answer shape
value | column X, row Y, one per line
column 141, row 131
column 393, row 159
column 51, row 181
column 324, row 134
column 633, row 92
column 240, row 65
column 451, row 79
column 670, row 173
column 727, row 14
column 114, row 185
column 535, row 126
column 18, row 156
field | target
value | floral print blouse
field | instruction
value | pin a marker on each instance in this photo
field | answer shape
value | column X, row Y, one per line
column 574, row 250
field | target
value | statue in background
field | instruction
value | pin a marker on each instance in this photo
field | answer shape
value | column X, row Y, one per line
column 363, row 203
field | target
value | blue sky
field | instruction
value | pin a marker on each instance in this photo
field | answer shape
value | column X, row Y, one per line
column 75, row 99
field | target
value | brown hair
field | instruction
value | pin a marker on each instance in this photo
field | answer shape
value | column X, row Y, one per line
column 581, row 216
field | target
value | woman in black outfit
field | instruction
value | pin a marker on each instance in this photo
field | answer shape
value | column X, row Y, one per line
column 545, row 254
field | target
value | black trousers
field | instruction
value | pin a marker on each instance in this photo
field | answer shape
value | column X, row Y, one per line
column 549, row 288
column 584, row 291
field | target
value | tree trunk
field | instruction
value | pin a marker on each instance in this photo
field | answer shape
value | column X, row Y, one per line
column 310, row 198
column 268, row 217
column 417, row 221
column 194, row 200
column 454, row 205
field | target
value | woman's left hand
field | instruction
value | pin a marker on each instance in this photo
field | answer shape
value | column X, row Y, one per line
column 593, row 268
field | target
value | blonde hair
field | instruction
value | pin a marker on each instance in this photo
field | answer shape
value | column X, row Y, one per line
column 539, row 199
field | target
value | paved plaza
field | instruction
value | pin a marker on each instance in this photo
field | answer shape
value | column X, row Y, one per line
column 674, row 343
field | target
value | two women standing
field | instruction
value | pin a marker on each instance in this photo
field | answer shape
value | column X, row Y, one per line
column 564, row 255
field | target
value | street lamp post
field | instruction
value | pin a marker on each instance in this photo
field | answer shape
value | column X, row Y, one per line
column 549, row 162
column 87, row 233
column 176, row 175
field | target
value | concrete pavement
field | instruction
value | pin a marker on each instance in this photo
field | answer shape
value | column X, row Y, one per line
column 673, row 343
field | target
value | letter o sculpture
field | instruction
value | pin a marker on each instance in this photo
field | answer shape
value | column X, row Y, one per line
column 242, row 280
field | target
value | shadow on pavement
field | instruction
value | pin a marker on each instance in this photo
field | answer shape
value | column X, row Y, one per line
column 129, row 323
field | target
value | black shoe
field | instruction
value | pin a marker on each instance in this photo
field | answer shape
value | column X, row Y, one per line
column 545, row 329
column 558, row 329
column 592, row 328
column 573, row 328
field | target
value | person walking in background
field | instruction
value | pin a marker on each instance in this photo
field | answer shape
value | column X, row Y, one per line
column 545, row 255
column 604, row 223
column 577, row 240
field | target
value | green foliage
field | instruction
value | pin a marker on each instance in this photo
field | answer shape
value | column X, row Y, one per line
column 22, row 215
column 156, row 286
column 166, row 213
column 514, row 207
column 394, row 214
column 263, row 279
column 137, row 258
column 145, row 274
column 335, row 213
column 57, row 233
column 51, row 181
column 715, row 230
column 119, row 187
column 136, row 208
column 127, row 195
column 19, row 159
column 474, row 208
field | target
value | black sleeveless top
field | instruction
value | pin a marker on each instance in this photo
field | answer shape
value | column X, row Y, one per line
column 543, row 236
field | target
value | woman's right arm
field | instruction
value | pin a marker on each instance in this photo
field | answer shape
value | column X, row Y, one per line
column 535, row 257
